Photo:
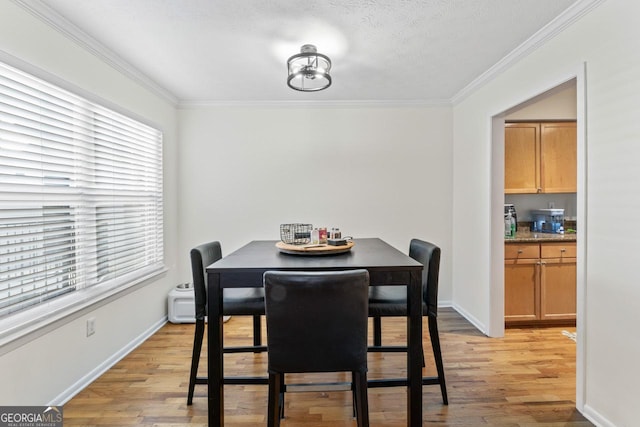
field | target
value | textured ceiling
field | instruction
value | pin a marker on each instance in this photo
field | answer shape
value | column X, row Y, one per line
column 236, row 50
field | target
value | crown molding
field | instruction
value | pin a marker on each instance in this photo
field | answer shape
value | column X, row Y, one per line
column 52, row 18
column 187, row 105
column 549, row 31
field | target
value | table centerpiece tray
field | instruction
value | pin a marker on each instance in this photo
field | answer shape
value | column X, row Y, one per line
column 313, row 249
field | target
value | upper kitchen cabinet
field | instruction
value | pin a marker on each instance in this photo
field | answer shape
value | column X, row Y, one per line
column 540, row 157
column 558, row 158
column 522, row 158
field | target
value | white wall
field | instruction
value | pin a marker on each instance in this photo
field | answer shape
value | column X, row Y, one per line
column 372, row 172
column 48, row 369
column 607, row 391
column 557, row 104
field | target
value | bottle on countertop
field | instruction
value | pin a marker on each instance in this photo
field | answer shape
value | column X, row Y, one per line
column 513, row 226
column 507, row 224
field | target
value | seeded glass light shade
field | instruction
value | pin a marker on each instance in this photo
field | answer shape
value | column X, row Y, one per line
column 309, row 71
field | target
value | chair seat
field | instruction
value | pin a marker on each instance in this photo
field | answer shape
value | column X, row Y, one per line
column 243, row 301
column 389, row 301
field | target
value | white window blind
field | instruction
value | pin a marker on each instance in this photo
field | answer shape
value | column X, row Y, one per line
column 80, row 194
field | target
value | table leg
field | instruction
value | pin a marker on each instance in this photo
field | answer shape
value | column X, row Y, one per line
column 414, row 353
column 215, row 352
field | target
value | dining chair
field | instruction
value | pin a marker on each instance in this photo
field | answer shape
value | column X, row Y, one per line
column 391, row 301
column 236, row 301
column 316, row 322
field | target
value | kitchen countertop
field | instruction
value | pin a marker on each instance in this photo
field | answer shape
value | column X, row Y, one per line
column 528, row 237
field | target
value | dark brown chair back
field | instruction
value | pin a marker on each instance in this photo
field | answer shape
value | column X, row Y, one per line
column 317, row 321
column 201, row 257
column 428, row 255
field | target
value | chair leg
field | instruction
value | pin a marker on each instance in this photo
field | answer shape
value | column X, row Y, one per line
column 437, row 354
column 354, row 395
column 377, row 331
column 362, row 402
column 195, row 358
column 282, row 396
column 257, row 332
column 273, row 401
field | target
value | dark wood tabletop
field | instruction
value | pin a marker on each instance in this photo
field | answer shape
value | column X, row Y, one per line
column 261, row 255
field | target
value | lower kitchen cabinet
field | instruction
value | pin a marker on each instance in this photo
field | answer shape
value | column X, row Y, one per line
column 558, row 281
column 540, row 283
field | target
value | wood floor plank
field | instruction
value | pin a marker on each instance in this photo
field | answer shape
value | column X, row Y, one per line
column 525, row 379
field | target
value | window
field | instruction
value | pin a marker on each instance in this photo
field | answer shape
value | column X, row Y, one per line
column 80, row 195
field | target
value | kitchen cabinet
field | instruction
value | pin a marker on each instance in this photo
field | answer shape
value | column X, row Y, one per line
column 540, row 283
column 540, row 157
column 522, row 158
column 558, row 281
column 521, row 282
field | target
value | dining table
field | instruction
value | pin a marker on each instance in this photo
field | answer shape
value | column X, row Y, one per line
column 245, row 268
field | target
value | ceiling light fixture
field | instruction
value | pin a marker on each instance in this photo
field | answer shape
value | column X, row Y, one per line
column 309, row 71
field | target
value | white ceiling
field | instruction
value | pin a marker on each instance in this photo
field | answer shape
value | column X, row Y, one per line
column 220, row 51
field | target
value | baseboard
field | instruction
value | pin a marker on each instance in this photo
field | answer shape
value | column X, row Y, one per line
column 475, row 322
column 445, row 303
column 595, row 417
column 83, row 382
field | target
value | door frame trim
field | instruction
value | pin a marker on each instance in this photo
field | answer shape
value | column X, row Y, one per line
column 496, row 288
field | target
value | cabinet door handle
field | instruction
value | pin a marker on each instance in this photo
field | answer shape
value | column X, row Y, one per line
column 563, row 250
column 519, row 251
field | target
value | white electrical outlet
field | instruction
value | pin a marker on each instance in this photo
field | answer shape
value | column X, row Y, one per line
column 91, row 326
column 552, row 205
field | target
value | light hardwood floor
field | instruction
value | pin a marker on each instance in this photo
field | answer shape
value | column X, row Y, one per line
column 525, row 379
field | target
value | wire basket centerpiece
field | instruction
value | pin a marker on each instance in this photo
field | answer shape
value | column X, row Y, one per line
column 296, row 234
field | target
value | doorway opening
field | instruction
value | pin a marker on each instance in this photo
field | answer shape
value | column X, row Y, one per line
column 540, row 197
column 545, row 101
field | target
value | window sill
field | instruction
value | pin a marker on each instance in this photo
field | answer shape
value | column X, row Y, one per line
column 24, row 326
